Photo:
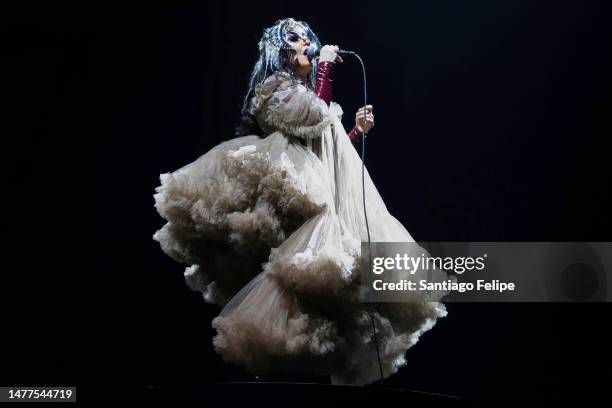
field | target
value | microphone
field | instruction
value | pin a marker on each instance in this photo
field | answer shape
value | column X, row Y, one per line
column 314, row 51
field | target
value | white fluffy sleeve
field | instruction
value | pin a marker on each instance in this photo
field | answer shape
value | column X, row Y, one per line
column 281, row 104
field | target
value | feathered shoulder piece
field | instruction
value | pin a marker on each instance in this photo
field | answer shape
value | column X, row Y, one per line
column 282, row 103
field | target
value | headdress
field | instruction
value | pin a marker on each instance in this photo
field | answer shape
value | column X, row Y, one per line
column 272, row 57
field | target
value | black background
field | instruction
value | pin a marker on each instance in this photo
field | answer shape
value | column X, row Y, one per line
column 491, row 119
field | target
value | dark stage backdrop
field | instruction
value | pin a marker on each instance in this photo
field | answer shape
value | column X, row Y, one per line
column 490, row 122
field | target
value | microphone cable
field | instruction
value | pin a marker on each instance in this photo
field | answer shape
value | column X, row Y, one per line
column 365, row 213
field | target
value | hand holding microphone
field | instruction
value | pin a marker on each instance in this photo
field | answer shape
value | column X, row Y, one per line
column 327, row 53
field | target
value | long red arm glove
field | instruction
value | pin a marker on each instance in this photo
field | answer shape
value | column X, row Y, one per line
column 323, row 85
column 323, row 89
column 354, row 135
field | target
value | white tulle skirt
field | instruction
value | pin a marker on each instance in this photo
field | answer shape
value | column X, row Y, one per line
column 271, row 229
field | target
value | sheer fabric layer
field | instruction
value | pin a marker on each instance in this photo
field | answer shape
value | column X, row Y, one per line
column 271, row 229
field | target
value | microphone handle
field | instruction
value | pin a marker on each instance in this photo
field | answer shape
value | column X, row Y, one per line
column 344, row 52
column 311, row 54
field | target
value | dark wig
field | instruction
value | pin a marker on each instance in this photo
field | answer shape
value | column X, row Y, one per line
column 272, row 58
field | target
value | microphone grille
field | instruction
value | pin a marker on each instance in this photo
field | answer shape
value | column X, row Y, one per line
column 312, row 51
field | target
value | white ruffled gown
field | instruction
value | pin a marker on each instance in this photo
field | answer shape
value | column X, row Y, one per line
column 271, row 229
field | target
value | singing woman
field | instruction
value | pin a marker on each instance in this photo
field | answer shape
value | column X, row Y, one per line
column 270, row 225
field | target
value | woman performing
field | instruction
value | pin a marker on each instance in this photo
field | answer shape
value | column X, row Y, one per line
column 271, row 224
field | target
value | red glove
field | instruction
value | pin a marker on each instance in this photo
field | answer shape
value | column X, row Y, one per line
column 323, row 89
column 354, row 135
column 323, row 86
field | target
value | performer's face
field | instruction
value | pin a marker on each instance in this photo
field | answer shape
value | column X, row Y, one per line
column 297, row 38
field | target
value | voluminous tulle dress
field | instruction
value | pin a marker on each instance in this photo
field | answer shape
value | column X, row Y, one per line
column 271, row 227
